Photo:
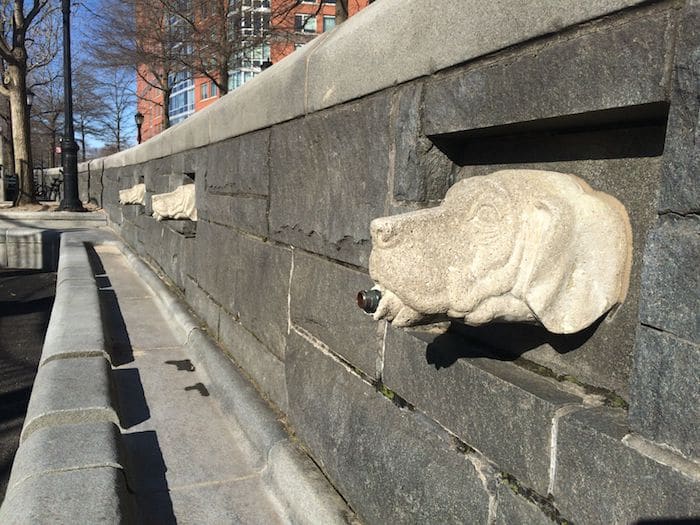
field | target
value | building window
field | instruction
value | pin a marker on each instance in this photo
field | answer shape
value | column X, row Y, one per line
column 304, row 23
column 328, row 23
column 204, row 91
column 181, row 97
column 214, row 90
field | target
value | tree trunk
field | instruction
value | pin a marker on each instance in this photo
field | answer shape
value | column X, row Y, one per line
column 166, row 109
column 20, row 134
column 341, row 11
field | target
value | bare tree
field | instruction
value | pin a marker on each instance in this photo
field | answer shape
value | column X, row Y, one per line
column 141, row 35
column 47, row 112
column 115, row 91
column 28, row 39
column 89, row 107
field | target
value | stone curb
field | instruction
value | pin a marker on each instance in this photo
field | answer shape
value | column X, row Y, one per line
column 28, row 248
column 68, row 467
column 290, row 476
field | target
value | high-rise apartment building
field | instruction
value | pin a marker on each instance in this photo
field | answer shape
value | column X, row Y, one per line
column 259, row 33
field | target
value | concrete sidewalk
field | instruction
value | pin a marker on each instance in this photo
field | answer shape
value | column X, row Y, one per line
column 137, row 417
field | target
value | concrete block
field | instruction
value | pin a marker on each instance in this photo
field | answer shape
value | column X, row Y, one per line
column 67, row 447
column 244, row 212
column 95, row 495
column 599, row 479
column 512, row 508
column 323, row 303
column 248, row 108
column 680, row 191
column 421, row 171
column 184, row 227
column 239, row 165
column 575, row 75
column 66, row 338
column 70, row 391
column 390, row 465
column 249, row 278
column 670, row 298
column 322, row 195
column 462, row 32
column 665, row 388
column 263, row 367
column 496, row 407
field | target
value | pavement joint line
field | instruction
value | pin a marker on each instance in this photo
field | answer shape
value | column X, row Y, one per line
column 212, row 483
column 310, row 498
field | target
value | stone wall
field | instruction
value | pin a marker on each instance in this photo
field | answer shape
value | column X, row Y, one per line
column 498, row 424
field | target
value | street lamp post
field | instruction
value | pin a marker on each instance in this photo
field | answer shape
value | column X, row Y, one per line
column 139, row 122
column 69, row 148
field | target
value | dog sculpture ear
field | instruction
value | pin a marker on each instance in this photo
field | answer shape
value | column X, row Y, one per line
column 580, row 265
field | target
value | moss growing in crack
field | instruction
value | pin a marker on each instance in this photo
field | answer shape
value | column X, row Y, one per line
column 386, row 392
column 545, row 504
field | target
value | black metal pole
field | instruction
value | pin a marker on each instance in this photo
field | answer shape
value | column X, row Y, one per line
column 138, row 128
column 69, row 148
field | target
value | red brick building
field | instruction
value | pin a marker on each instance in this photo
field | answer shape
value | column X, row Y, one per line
column 281, row 26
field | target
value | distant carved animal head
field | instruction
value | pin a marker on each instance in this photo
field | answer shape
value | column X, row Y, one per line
column 516, row 245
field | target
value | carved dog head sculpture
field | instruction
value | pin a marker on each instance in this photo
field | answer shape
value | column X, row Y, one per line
column 516, row 245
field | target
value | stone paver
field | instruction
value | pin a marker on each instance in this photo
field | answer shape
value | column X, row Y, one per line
column 186, row 460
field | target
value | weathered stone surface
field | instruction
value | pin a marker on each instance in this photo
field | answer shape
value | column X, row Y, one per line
column 680, row 191
column 670, row 298
column 249, row 278
column 254, row 357
column 130, row 211
column 462, row 31
column 66, row 338
column 184, row 227
column 67, row 447
column 245, row 212
column 550, row 81
column 515, row 246
column 240, row 165
column 665, row 389
column 330, row 179
column 203, row 304
column 94, row 495
column 421, row 171
column 70, row 391
column 31, row 248
column 512, row 509
column 389, row 464
column 501, row 410
column 323, row 303
column 601, row 480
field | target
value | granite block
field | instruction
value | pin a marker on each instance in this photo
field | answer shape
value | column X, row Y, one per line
column 665, row 390
column 670, row 298
column 329, row 178
column 680, row 191
column 323, row 303
column 496, row 407
column 239, row 165
column 574, row 74
column 249, row 278
column 390, row 465
column 263, row 366
column 599, row 479
column 70, row 391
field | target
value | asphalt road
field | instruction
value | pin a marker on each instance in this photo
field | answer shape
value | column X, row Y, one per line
column 26, row 298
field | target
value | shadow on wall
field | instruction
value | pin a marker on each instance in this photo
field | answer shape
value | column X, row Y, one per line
column 513, row 340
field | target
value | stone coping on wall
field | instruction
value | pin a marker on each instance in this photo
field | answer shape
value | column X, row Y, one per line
column 383, row 39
